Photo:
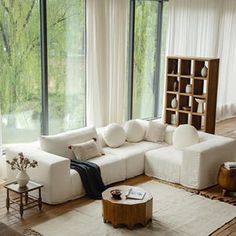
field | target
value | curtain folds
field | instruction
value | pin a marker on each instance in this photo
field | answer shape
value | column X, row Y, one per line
column 207, row 28
column 227, row 53
column 107, row 27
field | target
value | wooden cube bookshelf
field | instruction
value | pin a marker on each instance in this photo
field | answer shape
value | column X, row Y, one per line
column 184, row 71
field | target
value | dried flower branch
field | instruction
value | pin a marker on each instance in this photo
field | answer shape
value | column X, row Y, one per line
column 21, row 163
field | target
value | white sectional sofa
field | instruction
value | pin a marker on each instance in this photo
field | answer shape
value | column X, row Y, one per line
column 195, row 166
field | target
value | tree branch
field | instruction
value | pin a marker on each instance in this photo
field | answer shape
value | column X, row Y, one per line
column 29, row 14
column 4, row 6
column 5, row 41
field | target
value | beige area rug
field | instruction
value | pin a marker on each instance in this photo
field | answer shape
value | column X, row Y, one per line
column 214, row 192
column 175, row 212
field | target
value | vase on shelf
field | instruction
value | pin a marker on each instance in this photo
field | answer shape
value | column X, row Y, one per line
column 22, row 178
column 200, row 107
column 174, row 102
column 204, row 71
column 175, row 85
column 188, row 88
column 173, row 119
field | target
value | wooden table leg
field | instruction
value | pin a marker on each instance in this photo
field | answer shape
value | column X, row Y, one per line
column 21, row 205
column 40, row 200
column 26, row 198
column 224, row 192
column 8, row 201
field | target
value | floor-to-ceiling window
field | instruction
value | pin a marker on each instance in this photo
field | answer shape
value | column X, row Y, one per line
column 66, row 64
column 148, row 33
column 20, row 70
column 21, row 67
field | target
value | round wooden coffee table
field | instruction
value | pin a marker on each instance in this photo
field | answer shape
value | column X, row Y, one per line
column 227, row 179
column 124, row 211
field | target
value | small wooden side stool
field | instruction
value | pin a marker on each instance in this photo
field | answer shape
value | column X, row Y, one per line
column 23, row 199
column 227, row 179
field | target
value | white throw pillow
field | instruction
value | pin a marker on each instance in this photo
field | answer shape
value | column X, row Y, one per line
column 58, row 144
column 184, row 136
column 114, row 135
column 155, row 132
column 85, row 151
column 134, row 131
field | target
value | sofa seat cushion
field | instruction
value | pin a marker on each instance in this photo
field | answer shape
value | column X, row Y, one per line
column 133, row 154
column 113, row 168
column 77, row 188
column 164, row 163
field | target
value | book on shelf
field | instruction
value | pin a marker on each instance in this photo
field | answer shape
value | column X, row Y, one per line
column 230, row 165
column 135, row 194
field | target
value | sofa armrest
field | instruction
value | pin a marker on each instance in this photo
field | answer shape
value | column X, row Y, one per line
column 52, row 171
column 201, row 162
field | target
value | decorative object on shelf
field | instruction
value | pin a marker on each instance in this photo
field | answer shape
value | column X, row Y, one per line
column 200, row 107
column 187, row 108
column 174, row 67
column 188, row 88
column 175, row 85
column 173, row 119
column 21, row 163
column 204, row 71
column 174, row 102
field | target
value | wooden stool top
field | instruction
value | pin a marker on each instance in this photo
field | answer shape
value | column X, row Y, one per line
column 13, row 186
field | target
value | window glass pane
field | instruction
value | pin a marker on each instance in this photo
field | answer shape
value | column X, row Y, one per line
column 145, row 36
column 20, row 70
column 66, row 64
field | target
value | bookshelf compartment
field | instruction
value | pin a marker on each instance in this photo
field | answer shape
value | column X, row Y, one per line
column 183, row 83
column 169, row 99
column 184, row 101
column 171, row 84
column 198, row 87
column 183, row 118
column 197, row 122
column 185, row 67
column 199, row 64
column 173, row 66
column 171, row 117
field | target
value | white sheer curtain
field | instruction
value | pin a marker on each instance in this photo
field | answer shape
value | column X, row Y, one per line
column 193, row 27
column 227, row 53
column 207, row 28
column 107, row 25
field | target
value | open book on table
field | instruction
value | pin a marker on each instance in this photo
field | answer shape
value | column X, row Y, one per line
column 135, row 194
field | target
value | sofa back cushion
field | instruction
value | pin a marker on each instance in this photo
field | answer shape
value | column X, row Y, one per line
column 184, row 136
column 135, row 131
column 58, row 144
column 155, row 132
column 114, row 135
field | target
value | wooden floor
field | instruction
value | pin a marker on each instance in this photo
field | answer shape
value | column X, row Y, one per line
column 33, row 216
